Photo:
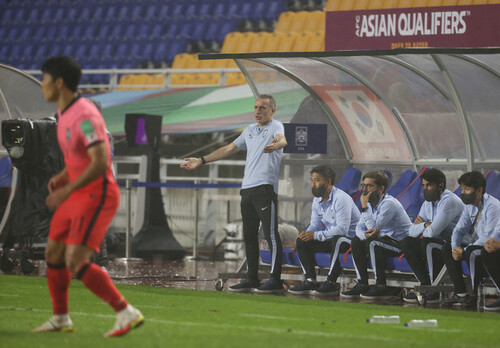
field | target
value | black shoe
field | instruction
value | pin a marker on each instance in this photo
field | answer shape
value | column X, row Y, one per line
column 455, row 300
column 357, row 290
column 305, row 288
column 378, row 292
column 411, row 297
column 247, row 285
column 272, row 286
column 328, row 288
column 493, row 307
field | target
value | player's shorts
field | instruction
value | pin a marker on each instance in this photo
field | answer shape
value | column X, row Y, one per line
column 84, row 217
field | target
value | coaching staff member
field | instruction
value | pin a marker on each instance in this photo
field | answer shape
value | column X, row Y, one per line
column 264, row 142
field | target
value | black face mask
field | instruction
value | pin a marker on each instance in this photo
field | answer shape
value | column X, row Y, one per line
column 374, row 198
column 319, row 191
column 468, row 198
column 432, row 195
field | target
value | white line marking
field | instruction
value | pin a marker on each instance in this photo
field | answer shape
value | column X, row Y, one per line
column 267, row 316
column 9, row 295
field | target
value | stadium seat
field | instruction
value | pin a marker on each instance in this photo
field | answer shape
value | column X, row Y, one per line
column 315, row 22
column 349, row 182
column 285, row 22
column 405, row 3
column 419, row 3
column 288, row 42
column 265, row 255
column 412, row 197
column 299, row 22
column 332, row 5
column 5, row 171
column 493, row 183
column 259, row 42
column 363, row 4
column 404, row 181
column 346, row 5
column 316, row 42
column 235, row 78
column 157, row 80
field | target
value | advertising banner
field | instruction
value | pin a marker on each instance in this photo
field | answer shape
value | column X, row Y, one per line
column 305, row 138
column 474, row 26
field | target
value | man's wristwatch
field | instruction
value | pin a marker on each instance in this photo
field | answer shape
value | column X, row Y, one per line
column 203, row 160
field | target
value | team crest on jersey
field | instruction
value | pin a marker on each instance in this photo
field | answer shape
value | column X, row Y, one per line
column 265, row 133
column 88, row 131
column 68, row 134
column 250, row 135
column 332, row 214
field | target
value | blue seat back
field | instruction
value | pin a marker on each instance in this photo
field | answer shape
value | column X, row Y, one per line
column 404, row 181
column 349, row 183
column 412, row 197
column 5, row 172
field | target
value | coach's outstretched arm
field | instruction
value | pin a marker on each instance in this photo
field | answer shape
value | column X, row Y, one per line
column 223, row 152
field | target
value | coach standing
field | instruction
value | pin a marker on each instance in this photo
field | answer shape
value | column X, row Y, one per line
column 264, row 143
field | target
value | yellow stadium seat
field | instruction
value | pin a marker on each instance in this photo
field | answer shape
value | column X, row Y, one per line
column 125, row 80
column 273, row 41
column 235, row 78
column 301, row 18
column 419, row 3
column 361, row 4
column 231, row 42
column 183, row 60
column 158, row 81
column 493, row 2
column 333, row 5
column 375, row 4
column 431, row 3
column 259, row 42
column 449, row 2
column 208, row 78
column 139, row 79
column 316, row 42
column 244, row 43
column 479, row 2
column 346, row 5
column 284, row 22
column 390, row 4
column 405, row 3
column 181, row 79
column 315, row 21
column 464, row 2
column 286, row 45
column 301, row 42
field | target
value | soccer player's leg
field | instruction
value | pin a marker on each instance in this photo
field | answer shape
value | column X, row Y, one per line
column 58, row 276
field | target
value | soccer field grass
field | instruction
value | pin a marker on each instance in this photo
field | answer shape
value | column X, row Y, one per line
column 189, row 318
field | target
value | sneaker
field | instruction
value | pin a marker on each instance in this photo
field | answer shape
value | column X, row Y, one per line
column 328, row 288
column 126, row 320
column 272, row 286
column 411, row 297
column 378, row 292
column 305, row 288
column 247, row 285
column 357, row 290
column 432, row 297
column 493, row 307
column 56, row 324
column 455, row 300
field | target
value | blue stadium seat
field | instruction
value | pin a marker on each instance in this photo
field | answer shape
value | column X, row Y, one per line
column 404, row 181
column 136, row 12
column 178, row 10
column 493, row 183
column 412, row 197
column 265, row 255
column 397, row 263
column 349, row 182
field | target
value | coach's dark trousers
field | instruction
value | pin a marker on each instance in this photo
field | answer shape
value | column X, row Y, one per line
column 260, row 204
column 420, row 252
column 491, row 262
column 471, row 255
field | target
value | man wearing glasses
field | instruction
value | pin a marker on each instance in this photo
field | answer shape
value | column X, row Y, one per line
column 383, row 224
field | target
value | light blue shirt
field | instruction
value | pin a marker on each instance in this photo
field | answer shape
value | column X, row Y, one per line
column 488, row 220
column 444, row 215
column 261, row 168
column 388, row 215
column 336, row 217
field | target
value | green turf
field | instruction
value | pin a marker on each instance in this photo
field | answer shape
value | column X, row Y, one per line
column 188, row 318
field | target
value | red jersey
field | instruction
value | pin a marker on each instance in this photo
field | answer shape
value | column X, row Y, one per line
column 80, row 126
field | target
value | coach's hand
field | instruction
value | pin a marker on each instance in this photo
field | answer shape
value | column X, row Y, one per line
column 306, row 236
column 191, row 163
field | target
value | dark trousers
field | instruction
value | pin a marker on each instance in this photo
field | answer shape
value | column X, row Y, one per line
column 421, row 253
column 377, row 250
column 472, row 255
column 260, row 204
column 334, row 246
column 491, row 263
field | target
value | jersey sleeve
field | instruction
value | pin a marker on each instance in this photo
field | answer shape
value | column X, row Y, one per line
column 91, row 129
column 240, row 141
column 279, row 129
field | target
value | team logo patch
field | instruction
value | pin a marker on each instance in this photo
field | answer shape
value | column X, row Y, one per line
column 88, row 131
column 250, row 135
column 265, row 133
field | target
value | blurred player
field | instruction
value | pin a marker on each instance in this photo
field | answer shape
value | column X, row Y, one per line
column 85, row 197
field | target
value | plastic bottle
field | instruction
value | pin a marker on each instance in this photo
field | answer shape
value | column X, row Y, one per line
column 480, row 297
column 343, row 282
column 382, row 319
column 422, row 323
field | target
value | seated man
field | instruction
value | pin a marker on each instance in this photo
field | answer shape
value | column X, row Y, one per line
column 383, row 224
column 433, row 226
column 491, row 261
column 333, row 222
column 475, row 227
